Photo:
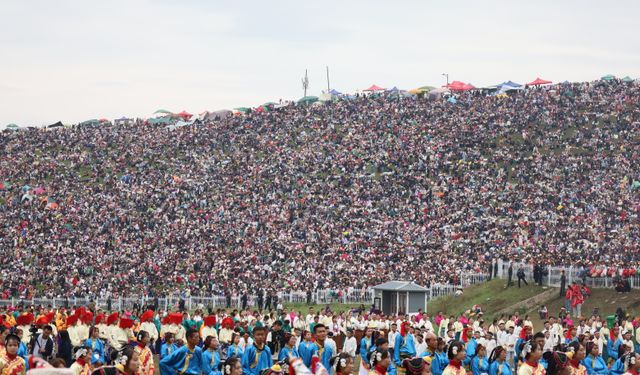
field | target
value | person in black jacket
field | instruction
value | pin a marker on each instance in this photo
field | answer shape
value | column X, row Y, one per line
column 65, row 348
column 42, row 345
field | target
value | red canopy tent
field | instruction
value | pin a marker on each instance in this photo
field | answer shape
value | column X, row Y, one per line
column 459, row 86
column 539, row 81
column 185, row 115
column 374, row 88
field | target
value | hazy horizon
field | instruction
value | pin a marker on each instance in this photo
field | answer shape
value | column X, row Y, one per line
column 76, row 60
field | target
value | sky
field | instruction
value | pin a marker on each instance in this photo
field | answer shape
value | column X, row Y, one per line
column 74, row 60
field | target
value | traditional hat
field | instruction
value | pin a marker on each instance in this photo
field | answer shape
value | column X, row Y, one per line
column 176, row 318
column 87, row 318
column 166, row 320
column 227, row 323
column 126, row 323
column 210, row 321
column 42, row 321
column 404, row 328
column 113, row 318
column 147, row 316
column 71, row 320
column 24, row 320
column 50, row 316
column 100, row 318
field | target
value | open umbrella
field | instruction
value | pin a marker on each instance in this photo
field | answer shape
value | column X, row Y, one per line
column 627, row 79
column 243, row 109
column 12, row 127
column 608, row 77
column 308, row 99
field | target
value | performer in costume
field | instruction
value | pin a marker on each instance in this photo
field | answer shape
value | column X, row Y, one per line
column 97, row 347
column 226, row 332
column 187, row 360
column 4, row 332
column 211, row 356
column 234, row 349
column 342, row 364
column 23, row 323
column 593, row 362
column 498, row 362
column 576, row 354
column 558, row 363
column 307, row 349
column 613, row 343
column 103, row 328
column 232, row 366
column 480, row 362
column 417, row 366
column 618, row 366
column 525, row 335
column 208, row 328
column 324, row 352
column 289, row 349
column 147, row 365
column 366, row 343
column 530, row 353
column 121, row 334
column 147, row 325
column 379, row 361
column 257, row 357
column 456, row 355
column 22, row 348
column 440, row 360
column 83, row 359
column 631, row 364
column 169, row 345
column 10, row 362
column 471, row 344
column 86, row 321
column 404, row 347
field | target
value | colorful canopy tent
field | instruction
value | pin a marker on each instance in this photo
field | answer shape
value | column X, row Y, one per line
column 460, row 86
column 509, row 84
column 243, row 109
column 308, row 99
column 160, row 121
column 627, row 79
column 217, row 115
column 608, row 77
column 539, row 81
column 436, row 93
column 374, row 88
column 425, row 88
column 56, row 125
column 394, row 89
column 184, row 115
column 163, row 112
column 92, row 122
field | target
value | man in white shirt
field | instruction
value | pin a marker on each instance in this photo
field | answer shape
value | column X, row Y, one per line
column 391, row 336
column 489, row 342
column 421, row 346
column 511, row 344
column 427, row 324
column 350, row 344
column 330, row 342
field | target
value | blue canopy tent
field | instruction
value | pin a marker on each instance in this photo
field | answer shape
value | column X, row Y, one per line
column 509, row 84
column 334, row 92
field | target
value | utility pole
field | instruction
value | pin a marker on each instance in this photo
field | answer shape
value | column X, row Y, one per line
column 328, row 86
column 305, row 82
column 446, row 75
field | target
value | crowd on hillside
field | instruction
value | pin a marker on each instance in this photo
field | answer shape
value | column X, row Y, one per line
column 345, row 194
column 266, row 342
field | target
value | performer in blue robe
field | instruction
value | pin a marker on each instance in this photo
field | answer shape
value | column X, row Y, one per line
column 211, row 357
column 257, row 357
column 289, row 349
column 480, row 363
column 404, row 345
column 97, row 350
column 324, row 352
column 186, row 360
column 307, row 349
column 498, row 362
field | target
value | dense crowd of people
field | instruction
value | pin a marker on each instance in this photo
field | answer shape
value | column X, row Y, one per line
column 251, row 342
column 345, row 194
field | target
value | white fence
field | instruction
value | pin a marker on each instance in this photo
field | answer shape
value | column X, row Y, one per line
column 351, row 296
column 552, row 276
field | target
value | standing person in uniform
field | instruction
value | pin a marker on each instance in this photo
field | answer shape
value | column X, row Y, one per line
column 257, row 357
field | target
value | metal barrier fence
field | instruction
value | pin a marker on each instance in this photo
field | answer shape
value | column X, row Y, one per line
column 552, row 276
column 348, row 296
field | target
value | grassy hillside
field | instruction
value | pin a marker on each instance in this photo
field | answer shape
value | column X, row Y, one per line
column 606, row 300
column 492, row 296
